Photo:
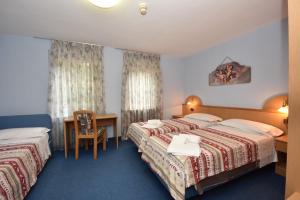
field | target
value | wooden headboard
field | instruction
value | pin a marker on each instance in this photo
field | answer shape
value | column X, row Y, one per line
column 268, row 114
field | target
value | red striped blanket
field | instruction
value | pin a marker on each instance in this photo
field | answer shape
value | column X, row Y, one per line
column 138, row 133
column 19, row 167
column 220, row 152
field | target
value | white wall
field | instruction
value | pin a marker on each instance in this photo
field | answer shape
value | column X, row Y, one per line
column 265, row 50
column 24, row 78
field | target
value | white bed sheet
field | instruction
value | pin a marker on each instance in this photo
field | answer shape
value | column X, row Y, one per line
column 41, row 142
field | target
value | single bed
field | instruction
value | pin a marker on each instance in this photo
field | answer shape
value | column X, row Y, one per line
column 226, row 152
column 138, row 134
column 23, row 153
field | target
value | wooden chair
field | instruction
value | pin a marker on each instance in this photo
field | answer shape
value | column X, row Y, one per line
column 86, row 129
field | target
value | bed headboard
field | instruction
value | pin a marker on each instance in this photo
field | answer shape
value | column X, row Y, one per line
column 21, row 121
column 268, row 114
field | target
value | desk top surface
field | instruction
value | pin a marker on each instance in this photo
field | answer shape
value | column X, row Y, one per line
column 99, row 116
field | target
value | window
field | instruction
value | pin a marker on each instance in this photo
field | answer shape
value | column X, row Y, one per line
column 141, row 88
column 75, row 82
column 142, row 91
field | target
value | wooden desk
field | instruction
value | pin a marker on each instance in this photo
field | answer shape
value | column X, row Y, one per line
column 102, row 120
column 281, row 148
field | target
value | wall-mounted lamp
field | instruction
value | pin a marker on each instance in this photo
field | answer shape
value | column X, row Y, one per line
column 192, row 102
column 285, row 110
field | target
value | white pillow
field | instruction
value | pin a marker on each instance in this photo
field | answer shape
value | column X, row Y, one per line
column 15, row 133
column 253, row 126
column 203, row 117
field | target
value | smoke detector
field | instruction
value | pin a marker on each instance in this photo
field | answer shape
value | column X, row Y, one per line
column 143, row 8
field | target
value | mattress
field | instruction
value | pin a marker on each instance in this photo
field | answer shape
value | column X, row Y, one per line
column 223, row 149
column 139, row 134
column 21, row 160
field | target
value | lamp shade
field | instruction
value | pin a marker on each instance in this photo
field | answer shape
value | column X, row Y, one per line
column 284, row 109
column 104, row 3
column 193, row 100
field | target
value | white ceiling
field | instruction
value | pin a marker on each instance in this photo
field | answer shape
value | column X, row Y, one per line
column 173, row 27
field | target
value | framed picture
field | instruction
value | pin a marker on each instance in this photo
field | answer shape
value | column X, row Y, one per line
column 230, row 73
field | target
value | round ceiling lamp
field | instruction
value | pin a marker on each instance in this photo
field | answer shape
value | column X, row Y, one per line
column 104, row 3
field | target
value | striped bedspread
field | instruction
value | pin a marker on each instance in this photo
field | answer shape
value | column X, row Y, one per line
column 20, row 165
column 220, row 152
column 137, row 133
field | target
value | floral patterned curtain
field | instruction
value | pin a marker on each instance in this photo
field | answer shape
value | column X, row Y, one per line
column 75, row 82
column 141, row 88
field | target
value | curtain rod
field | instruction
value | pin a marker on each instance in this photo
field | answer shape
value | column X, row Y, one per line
column 43, row 38
column 122, row 49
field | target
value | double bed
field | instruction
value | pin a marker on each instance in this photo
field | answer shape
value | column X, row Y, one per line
column 227, row 151
column 223, row 150
column 24, row 150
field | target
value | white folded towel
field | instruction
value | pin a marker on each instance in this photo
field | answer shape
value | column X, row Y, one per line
column 180, row 146
column 152, row 126
column 154, row 123
column 191, row 138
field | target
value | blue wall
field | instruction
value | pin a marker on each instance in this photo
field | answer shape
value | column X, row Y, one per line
column 23, row 75
column 173, row 85
column 265, row 50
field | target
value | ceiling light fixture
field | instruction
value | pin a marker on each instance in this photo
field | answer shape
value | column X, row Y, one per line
column 104, row 3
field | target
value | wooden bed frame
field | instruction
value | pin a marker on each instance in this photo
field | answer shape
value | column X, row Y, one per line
column 268, row 114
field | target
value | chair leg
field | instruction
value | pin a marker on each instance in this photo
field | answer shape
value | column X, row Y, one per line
column 86, row 144
column 104, row 140
column 76, row 148
column 95, row 148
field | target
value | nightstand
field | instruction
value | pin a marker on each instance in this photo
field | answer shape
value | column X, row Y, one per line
column 176, row 116
column 281, row 148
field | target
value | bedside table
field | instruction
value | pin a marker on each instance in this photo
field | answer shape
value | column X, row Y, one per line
column 281, row 148
column 176, row 116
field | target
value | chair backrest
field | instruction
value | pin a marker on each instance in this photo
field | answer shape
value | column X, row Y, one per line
column 85, row 122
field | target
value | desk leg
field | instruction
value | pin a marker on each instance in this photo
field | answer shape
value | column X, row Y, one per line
column 116, row 133
column 65, row 140
column 70, row 132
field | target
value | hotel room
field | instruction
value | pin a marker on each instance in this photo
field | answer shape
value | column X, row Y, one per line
column 152, row 100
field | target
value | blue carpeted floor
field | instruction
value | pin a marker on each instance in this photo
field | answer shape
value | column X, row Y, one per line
column 121, row 174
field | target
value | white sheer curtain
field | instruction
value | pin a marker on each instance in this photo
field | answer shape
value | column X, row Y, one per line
column 141, row 88
column 75, row 82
